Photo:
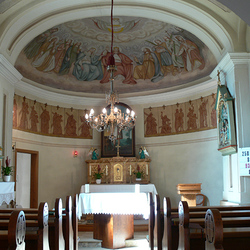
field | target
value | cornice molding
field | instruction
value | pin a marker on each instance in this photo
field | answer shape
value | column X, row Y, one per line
column 8, row 71
column 164, row 144
column 230, row 61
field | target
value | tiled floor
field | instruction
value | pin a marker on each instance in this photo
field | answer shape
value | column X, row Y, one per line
column 86, row 242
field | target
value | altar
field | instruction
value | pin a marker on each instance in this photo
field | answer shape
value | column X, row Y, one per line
column 114, row 215
column 7, row 193
column 119, row 170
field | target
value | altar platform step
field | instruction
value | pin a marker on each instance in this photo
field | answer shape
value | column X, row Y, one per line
column 86, row 242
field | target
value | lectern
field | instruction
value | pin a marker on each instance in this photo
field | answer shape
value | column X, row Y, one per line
column 188, row 192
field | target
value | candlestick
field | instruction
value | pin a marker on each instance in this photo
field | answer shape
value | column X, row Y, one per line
column 90, row 170
column 147, row 169
column 106, row 170
column 130, row 172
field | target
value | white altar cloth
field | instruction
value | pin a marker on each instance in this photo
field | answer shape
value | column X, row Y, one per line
column 114, row 203
column 6, row 192
column 119, row 188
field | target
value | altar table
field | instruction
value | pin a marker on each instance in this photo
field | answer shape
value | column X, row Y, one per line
column 113, row 215
column 7, row 192
column 119, row 188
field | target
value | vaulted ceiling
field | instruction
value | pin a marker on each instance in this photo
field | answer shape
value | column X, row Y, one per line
column 62, row 46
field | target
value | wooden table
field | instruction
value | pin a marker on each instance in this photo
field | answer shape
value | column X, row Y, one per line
column 114, row 215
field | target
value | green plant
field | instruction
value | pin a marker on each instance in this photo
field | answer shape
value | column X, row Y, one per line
column 98, row 175
column 138, row 174
column 7, row 170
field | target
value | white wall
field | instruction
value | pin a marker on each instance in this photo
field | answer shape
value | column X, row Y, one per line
column 185, row 158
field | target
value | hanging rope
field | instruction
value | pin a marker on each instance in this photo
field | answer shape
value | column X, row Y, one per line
column 111, row 58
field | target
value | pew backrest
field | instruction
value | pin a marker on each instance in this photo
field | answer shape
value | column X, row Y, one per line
column 16, row 230
column 214, row 230
column 75, row 216
column 151, row 220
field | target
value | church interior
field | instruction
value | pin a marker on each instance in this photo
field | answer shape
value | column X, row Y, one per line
column 174, row 79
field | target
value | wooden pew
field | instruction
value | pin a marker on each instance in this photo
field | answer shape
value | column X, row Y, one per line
column 13, row 238
column 159, row 224
column 68, row 225
column 171, row 216
column 171, row 231
column 151, row 221
column 196, row 220
column 56, row 240
column 36, row 226
column 229, row 234
column 75, row 217
column 186, row 240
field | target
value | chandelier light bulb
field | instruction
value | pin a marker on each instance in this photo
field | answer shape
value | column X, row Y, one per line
column 104, row 111
column 128, row 111
column 115, row 109
column 132, row 113
column 91, row 112
column 86, row 116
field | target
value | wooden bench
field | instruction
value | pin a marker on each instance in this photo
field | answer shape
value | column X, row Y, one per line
column 56, row 240
column 13, row 237
column 36, row 226
column 189, row 220
column 75, row 217
column 230, row 233
column 197, row 215
column 151, row 221
column 159, row 225
column 69, row 224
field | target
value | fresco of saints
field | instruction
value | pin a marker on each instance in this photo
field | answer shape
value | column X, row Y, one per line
column 151, row 125
column 124, row 67
column 88, row 66
column 146, row 69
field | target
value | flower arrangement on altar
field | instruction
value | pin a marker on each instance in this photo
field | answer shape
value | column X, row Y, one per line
column 7, row 170
column 139, row 174
column 99, row 174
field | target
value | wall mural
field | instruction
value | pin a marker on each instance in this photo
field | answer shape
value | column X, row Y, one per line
column 192, row 116
column 35, row 117
column 149, row 55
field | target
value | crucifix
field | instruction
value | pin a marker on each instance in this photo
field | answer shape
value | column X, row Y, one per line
column 119, row 136
column 118, row 147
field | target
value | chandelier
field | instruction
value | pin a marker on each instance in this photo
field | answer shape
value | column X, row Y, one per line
column 115, row 120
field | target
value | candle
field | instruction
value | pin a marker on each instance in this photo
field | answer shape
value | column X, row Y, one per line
column 106, row 170
column 130, row 172
column 86, row 188
column 147, row 169
column 90, row 170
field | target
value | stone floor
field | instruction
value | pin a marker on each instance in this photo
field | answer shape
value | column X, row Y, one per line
column 86, row 242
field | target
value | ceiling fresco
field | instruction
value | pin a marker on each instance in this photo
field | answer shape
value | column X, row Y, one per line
column 149, row 54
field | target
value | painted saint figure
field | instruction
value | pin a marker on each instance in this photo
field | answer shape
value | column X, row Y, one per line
column 88, row 66
column 56, row 124
column 24, row 112
column 146, row 69
column 45, row 118
column 166, row 124
column 85, row 128
column 33, row 119
column 151, row 125
column 124, row 67
column 70, row 128
column 191, row 123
